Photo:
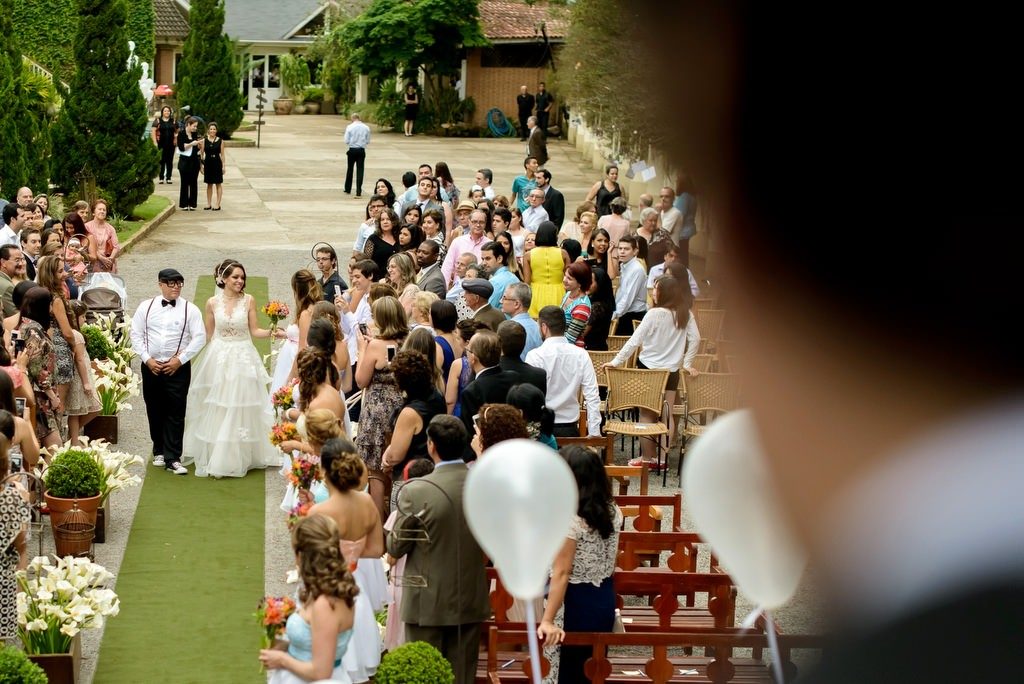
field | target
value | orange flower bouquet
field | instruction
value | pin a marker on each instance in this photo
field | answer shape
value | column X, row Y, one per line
column 272, row 614
column 283, row 432
column 276, row 311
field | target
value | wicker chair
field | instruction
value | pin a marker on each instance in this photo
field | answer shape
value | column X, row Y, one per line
column 709, row 322
column 599, row 358
column 704, row 363
column 707, row 395
column 630, row 388
column 702, row 303
column 617, row 342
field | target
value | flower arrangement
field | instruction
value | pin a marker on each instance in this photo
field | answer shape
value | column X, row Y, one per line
column 115, row 464
column 284, row 398
column 276, row 311
column 56, row 602
column 117, row 343
column 283, row 432
column 272, row 614
column 299, row 511
column 115, row 384
column 304, row 472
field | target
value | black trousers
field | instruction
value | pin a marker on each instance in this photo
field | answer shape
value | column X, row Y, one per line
column 524, row 130
column 356, row 158
column 459, row 644
column 166, row 397
column 566, row 429
column 542, row 121
column 625, row 325
column 188, row 168
column 166, row 162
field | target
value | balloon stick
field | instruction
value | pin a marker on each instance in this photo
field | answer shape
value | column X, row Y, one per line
column 531, row 630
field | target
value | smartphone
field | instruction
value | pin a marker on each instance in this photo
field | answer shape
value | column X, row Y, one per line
column 19, row 403
column 16, row 463
column 476, row 420
column 391, row 354
column 363, row 329
column 337, row 290
column 19, row 345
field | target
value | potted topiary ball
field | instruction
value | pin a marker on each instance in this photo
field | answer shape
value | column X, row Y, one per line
column 416, row 662
column 73, row 479
column 16, row 667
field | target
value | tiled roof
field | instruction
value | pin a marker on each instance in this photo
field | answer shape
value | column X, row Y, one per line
column 515, row 20
column 171, row 19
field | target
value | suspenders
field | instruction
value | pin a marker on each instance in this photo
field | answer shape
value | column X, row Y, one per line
column 184, row 326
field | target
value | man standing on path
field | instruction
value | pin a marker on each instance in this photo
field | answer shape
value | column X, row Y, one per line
column 524, row 103
column 537, row 145
column 446, row 609
column 544, row 104
column 522, row 185
column 167, row 332
column 357, row 137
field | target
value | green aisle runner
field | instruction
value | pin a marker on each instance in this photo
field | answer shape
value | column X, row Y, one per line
column 192, row 575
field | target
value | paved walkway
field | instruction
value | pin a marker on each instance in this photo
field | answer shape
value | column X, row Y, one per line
column 287, row 195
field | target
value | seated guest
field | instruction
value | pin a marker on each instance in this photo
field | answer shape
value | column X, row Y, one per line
column 491, row 384
column 570, row 371
column 540, row 420
column 513, row 340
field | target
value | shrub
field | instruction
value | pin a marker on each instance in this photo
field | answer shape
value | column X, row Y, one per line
column 97, row 345
column 313, row 94
column 294, row 75
column 416, row 662
column 208, row 73
column 16, row 668
column 74, row 474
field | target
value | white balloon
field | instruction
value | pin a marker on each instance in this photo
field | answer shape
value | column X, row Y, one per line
column 731, row 496
column 520, row 498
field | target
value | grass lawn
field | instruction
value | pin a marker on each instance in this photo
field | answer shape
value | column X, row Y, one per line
column 143, row 214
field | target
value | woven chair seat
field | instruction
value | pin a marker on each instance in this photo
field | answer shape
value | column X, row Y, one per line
column 694, row 430
column 620, row 427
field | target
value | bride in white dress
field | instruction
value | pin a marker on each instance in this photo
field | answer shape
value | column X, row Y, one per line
column 306, row 292
column 228, row 419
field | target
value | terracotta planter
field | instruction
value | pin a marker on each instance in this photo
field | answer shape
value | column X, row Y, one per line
column 73, row 532
column 283, row 105
column 61, row 668
column 102, row 427
column 299, row 109
column 59, row 507
column 312, row 107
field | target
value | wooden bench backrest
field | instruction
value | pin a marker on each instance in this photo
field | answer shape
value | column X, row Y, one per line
column 648, row 517
column 624, row 474
column 659, row 668
column 602, row 445
column 634, row 547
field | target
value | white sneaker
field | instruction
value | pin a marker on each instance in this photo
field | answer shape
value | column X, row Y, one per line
column 177, row 468
column 158, row 461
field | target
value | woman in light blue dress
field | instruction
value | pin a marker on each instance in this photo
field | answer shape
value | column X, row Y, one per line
column 325, row 614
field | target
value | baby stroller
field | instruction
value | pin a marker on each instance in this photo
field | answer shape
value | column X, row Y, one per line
column 103, row 293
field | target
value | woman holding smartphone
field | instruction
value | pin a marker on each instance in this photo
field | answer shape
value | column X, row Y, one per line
column 24, row 445
column 381, row 395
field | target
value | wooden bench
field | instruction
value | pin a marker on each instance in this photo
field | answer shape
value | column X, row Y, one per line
column 645, row 510
column 655, row 665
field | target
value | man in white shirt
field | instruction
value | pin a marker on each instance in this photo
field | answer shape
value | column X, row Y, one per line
column 472, row 243
column 656, row 272
column 367, row 229
column 569, row 370
column 671, row 218
column 357, row 137
column 484, row 178
column 631, row 297
column 535, row 214
column 167, row 332
column 13, row 218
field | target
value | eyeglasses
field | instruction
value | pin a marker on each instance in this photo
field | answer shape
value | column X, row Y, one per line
column 176, row 285
column 506, row 298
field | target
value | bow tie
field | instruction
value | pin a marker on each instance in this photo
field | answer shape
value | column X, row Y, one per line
column 165, row 302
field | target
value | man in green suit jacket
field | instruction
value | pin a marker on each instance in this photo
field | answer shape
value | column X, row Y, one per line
column 445, row 597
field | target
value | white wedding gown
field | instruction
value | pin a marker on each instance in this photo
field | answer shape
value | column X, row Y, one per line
column 228, row 418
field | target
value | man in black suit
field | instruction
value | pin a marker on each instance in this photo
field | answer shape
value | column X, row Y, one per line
column 537, row 145
column 513, row 341
column 524, row 103
column 490, row 385
column 914, row 519
column 30, row 246
column 554, row 201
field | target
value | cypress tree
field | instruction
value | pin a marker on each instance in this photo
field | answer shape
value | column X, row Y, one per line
column 207, row 75
column 13, row 165
column 102, row 130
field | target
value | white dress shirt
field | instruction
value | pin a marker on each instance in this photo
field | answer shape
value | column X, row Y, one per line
column 671, row 220
column 569, row 370
column 159, row 332
column 661, row 343
column 632, row 294
column 357, row 135
column 8, row 237
column 533, row 217
column 659, row 270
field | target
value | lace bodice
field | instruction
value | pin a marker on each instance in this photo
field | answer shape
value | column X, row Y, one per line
column 231, row 327
column 595, row 556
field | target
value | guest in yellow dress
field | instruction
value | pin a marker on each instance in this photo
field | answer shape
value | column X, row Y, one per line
column 543, row 267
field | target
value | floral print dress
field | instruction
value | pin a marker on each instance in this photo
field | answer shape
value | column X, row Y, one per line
column 42, row 365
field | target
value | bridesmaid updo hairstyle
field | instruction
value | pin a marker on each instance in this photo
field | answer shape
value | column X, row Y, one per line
column 323, row 334
column 315, row 367
column 342, row 465
column 326, row 311
column 307, row 291
column 322, row 568
column 226, row 268
column 322, row 425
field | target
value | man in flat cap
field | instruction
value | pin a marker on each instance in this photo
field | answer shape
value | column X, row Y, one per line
column 476, row 292
column 167, row 332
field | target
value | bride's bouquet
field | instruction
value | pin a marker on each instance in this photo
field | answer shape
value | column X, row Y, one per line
column 276, row 311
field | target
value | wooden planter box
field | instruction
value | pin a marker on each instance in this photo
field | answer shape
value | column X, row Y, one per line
column 61, row 668
column 102, row 427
